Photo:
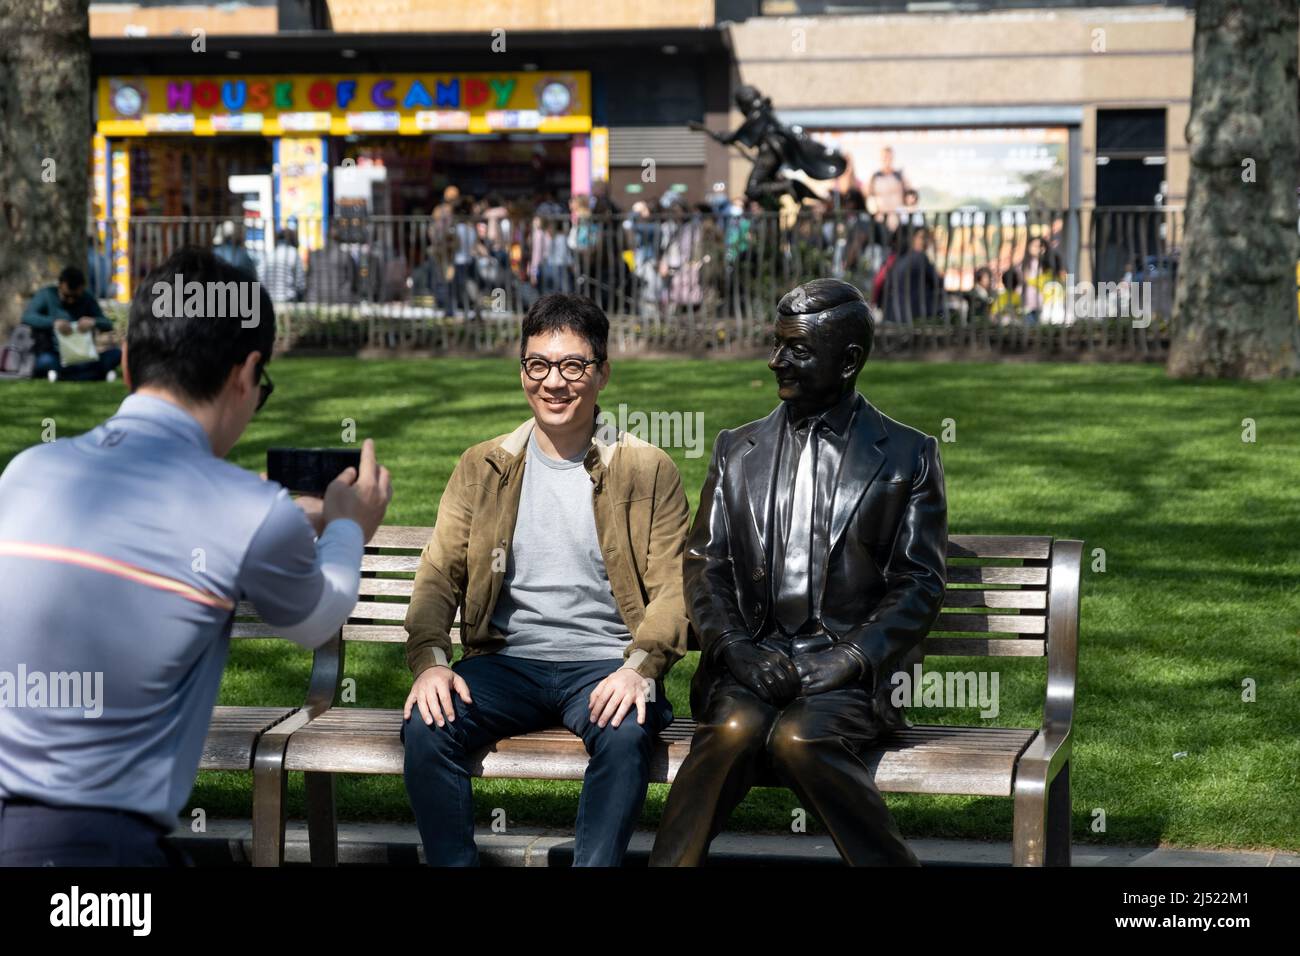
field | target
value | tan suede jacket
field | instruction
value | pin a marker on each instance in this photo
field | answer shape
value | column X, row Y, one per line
column 641, row 523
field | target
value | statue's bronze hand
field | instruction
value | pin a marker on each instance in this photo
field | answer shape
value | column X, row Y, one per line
column 768, row 673
column 820, row 671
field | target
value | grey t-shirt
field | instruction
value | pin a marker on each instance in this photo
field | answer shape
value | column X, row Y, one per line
column 556, row 603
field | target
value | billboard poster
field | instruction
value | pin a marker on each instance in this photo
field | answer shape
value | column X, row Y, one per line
column 955, row 168
column 300, row 188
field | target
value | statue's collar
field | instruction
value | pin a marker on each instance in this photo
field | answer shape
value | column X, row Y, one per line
column 837, row 417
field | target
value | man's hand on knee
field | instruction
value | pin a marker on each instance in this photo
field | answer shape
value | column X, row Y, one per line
column 767, row 672
column 617, row 694
column 432, row 693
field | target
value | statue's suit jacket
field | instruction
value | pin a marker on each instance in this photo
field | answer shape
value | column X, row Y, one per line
column 885, row 566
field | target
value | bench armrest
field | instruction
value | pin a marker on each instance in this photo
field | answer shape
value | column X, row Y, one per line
column 326, row 676
column 1045, row 755
column 1064, row 580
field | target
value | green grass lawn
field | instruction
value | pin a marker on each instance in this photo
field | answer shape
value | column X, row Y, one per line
column 1198, row 594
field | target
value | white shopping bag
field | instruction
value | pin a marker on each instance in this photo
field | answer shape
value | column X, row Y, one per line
column 76, row 347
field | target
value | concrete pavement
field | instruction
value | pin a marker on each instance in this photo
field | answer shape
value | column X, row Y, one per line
column 228, row 842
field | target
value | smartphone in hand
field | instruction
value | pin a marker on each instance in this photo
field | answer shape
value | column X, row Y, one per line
column 308, row 471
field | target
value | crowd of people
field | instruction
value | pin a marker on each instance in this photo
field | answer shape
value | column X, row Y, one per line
column 657, row 258
column 469, row 248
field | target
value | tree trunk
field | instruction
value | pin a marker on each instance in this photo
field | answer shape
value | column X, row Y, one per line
column 44, row 145
column 1235, row 315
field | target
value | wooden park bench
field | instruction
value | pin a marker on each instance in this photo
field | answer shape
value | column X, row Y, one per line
column 1007, row 596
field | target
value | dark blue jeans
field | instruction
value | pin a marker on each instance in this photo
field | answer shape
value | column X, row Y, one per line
column 515, row 696
column 109, row 359
column 35, row 834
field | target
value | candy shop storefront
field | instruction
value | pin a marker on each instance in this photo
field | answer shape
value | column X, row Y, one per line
column 277, row 149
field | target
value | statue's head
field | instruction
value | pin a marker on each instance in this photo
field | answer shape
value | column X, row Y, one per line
column 747, row 97
column 822, row 339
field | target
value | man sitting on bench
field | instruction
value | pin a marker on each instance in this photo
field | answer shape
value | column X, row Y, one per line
column 563, row 542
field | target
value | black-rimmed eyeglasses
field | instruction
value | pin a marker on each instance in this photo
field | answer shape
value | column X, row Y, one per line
column 571, row 369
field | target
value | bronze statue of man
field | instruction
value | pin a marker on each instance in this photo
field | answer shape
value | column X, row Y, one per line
column 813, row 571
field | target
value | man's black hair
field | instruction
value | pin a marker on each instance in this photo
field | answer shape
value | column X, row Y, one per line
column 557, row 311
column 193, row 354
column 73, row 278
column 833, row 300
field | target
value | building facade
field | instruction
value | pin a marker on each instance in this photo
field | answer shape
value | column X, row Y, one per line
column 314, row 102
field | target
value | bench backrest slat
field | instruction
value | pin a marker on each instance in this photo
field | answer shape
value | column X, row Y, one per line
column 1029, row 547
column 991, row 574
column 408, row 563
column 998, row 588
column 401, row 587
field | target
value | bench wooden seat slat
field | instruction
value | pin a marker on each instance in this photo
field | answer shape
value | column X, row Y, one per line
column 385, row 723
column 233, row 735
column 926, row 759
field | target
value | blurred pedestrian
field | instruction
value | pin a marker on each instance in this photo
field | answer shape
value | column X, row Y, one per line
column 284, row 278
column 229, row 247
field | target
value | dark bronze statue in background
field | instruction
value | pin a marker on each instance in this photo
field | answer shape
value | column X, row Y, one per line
column 777, row 145
column 813, row 570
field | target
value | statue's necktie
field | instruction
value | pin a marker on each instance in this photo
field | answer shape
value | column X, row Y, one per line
column 793, row 600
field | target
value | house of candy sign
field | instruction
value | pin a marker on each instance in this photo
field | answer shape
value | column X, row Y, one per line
column 408, row 103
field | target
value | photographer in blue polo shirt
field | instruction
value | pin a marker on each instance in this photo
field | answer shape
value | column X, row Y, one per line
column 116, row 605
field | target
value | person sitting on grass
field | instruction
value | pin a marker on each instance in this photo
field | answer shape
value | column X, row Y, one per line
column 63, row 319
